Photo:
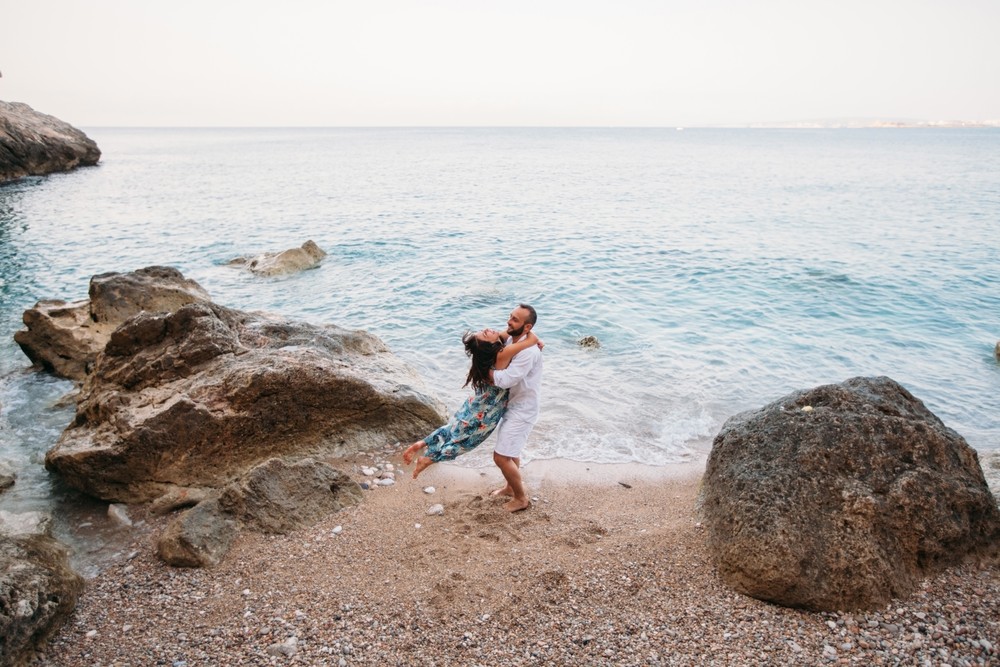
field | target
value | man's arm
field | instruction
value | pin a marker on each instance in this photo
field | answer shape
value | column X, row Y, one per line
column 519, row 367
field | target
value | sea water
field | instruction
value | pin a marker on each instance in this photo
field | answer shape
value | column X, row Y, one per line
column 719, row 269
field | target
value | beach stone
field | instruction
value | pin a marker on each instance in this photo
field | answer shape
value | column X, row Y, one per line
column 198, row 537
column 435, row 510
column 119, row 514
column 846, row 506
column 197, row 396
column 34, row 144
column 38, row 592
column 293, row 260
column 279, row 496
column 65, row 338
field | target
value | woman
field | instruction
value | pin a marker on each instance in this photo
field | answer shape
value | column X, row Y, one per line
column 481, row 413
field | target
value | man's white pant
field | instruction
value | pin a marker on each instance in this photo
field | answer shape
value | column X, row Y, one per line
column 512, row 436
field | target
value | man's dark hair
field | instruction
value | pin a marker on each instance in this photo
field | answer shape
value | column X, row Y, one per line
column 532, row 315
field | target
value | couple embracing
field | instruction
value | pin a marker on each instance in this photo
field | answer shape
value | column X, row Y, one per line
column 506, row 374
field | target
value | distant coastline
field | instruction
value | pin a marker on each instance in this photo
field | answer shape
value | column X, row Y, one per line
column 861, row 123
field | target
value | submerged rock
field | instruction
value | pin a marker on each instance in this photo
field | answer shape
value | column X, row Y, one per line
column 847, row 505
column 293, row 260
column 34, row 144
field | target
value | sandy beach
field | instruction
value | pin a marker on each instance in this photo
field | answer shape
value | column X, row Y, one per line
column 608, row 567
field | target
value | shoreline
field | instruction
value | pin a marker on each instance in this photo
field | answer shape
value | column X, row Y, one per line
column 593, row 573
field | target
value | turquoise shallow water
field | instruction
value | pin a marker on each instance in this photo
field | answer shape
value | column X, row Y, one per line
column 720, row 269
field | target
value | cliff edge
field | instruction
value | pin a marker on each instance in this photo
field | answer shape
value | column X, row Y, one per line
column 35, row 144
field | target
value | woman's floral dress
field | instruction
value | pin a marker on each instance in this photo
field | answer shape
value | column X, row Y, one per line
column 471, row 425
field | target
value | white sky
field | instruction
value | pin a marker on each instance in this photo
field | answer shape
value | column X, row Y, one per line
column 539, row 63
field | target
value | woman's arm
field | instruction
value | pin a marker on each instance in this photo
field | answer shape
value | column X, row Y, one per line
column 505, row 355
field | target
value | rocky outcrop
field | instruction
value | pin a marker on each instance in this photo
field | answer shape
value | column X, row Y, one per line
column 34, row 144
column 292, row 260
column 38, row 588
column 195, row 397
column 842, row 497
column 65, row 338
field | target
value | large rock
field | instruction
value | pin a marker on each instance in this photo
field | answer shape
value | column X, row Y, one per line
column 195, row 397
column 279, row 496
column 38, row 591
column 293, row 260
column 34, row 144
column 198, row 537
column 65, row 338
column 842, row 497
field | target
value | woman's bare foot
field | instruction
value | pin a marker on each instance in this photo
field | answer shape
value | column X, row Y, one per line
column 516, row 505
column 505, row 491
column 422, row 464
column 412, row 451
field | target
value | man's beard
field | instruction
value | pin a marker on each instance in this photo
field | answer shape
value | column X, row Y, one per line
column 514, row 333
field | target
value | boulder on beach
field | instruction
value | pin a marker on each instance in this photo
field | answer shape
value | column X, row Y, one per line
column 279, row 496
column 842, row 497
column 65, row 338
column 38, row 591
column 293, row 260
column 198, row 537
column 35, row 144
column 276, row 497
column 195, row 397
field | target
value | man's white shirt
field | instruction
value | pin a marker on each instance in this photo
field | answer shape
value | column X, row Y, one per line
column 523, row 376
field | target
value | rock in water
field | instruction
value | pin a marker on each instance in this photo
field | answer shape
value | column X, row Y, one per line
column 847, row 505
column 34, row 144
column 292, row 260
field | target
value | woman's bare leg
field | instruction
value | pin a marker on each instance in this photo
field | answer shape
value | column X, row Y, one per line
column 422, row 464
column 412, row 451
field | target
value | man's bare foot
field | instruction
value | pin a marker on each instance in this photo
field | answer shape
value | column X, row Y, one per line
column 505, row 491
column 517, row 505
column 422, row 464
column 412, row 451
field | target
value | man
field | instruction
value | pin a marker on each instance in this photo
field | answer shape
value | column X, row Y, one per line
column 524, row 379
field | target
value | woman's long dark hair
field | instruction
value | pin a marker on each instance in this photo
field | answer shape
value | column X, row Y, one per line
column 483, row 356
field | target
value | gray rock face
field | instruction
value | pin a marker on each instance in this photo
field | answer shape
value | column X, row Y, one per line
column 292, row 260
column 34, row 144
column 279, row 496
column 65, row 338
column 842, row 497
column 38, row 591
column 197, row 396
